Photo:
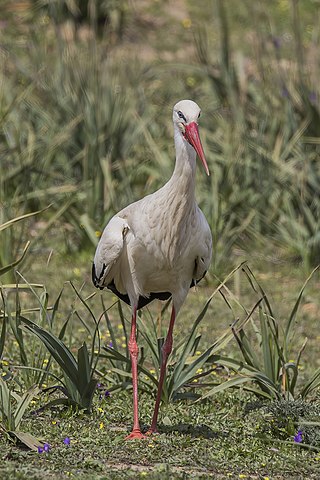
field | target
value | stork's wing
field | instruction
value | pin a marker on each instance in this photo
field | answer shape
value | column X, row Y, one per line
column 108, row 251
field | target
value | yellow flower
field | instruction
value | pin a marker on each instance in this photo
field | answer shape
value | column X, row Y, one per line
column 242, row 475
column 101, row 425
column 191, row 81
column 100, row 410
column 152, row 370
column 200, row 370
column 5, row 363
column 186, row 23
column 119, row 327
column 283, row 5
column 45, row 20
column 76, row 272
column 123, row 345
column 198, row 352
column 98, row 233
column 45, row 361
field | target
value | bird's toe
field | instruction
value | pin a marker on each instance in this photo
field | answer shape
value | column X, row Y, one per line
column 136, row 435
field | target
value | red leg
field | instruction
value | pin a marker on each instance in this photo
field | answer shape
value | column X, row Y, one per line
column 134, row 352
column 166, row 350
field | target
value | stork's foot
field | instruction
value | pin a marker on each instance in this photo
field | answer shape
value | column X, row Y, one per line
column 136, row 435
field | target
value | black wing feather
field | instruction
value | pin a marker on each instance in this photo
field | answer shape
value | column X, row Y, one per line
column 143, row 301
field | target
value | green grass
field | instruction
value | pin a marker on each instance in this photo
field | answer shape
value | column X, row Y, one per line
column 227, row 436
column 196, row 441
column 86, row 117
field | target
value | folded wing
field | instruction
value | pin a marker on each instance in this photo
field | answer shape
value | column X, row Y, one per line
column 108, row 251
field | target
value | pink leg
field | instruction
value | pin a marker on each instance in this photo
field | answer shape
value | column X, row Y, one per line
column 134, row 352
column 166, row 350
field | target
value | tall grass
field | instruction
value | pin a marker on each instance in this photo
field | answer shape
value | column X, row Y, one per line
column 265, row 178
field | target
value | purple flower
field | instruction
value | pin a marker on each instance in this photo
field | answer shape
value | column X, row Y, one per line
column 46, row 447
column 298, row 437
column 67, row 441
column 106, row 395
column 98, row 385
column 313, row 98
column 110, row 344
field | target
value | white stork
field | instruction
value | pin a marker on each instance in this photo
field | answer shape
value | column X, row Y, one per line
column 158, row 246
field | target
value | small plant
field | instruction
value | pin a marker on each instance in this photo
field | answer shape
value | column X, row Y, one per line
column 31, row 359
column 12, row 410
column 287, row 421
column 266, row 364
column 79, row 384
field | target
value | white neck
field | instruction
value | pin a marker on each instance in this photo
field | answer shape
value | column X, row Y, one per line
column 179, row 194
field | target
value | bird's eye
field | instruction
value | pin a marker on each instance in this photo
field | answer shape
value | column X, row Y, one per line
column 180, row 114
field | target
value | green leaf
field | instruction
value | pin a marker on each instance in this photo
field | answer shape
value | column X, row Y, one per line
column 84, row 373
column 234, row 382
column 23, row 404
column 27, row 439
column 9, row 267
column 312, row 384
column 109, row 326
column 57, row 348
column 11, row 222
column 5, row 405
column 189, row 372
column 296, row 305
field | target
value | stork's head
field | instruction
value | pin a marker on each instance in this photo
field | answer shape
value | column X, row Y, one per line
column 185, row 116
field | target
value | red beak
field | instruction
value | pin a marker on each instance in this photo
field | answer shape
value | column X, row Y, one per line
column 192, row 135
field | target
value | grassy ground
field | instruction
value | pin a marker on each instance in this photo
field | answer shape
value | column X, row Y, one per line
column 228, row 436
column 90, row 153
column 215, row 440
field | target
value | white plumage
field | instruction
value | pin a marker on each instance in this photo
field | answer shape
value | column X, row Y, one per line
column 160, row 245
